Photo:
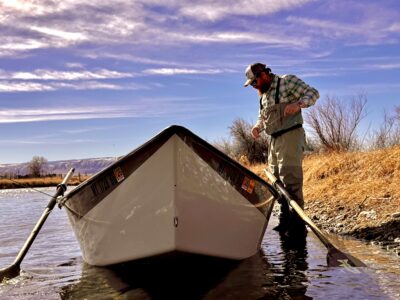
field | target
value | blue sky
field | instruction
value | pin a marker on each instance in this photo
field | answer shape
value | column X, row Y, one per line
column 82, row 79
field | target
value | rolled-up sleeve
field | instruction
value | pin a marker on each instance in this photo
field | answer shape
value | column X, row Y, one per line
column 301, row 90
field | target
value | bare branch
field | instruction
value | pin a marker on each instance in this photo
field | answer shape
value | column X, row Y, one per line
column 37, row 165
column 335, row 122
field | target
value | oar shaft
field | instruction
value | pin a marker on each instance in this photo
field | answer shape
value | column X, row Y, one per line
column 32, row 236
column 302, row 215
column 28, row 243
column 335, row 257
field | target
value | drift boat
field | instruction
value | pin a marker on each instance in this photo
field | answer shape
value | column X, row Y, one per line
column 175, row 194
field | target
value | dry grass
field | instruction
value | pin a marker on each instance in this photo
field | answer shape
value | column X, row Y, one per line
column 344, row 184
column 38, row 182
column 353, row 176
column 348, row 183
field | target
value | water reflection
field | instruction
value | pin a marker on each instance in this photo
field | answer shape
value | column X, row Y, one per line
column 291, row 276
column 194, row 277
column 172, row 278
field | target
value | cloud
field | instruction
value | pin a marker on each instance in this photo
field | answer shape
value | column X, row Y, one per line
column 386, row 66
column 73, row 65
column 180, row 71
column 27, row 86
column 95, row 85
column 213, row 11
column 87, row 129
column 56, row 114
column 16, row 43
column 142, row 108
column 6, row 86
column 30, row 25
column 42, row 74
column 128, row 57
column 395, row 27
column 55, row 80
column 49, row 141
column 70, row 36
column 366, row 29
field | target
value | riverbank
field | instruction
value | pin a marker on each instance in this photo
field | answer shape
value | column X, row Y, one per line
column 15, row 183
column 354, row 193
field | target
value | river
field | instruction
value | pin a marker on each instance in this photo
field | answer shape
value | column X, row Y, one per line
column 54, row 269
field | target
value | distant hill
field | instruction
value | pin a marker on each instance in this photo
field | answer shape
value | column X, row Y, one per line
column 83, row 166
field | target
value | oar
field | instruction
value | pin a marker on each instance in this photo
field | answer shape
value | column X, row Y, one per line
column 13, row 270
column 335, row 257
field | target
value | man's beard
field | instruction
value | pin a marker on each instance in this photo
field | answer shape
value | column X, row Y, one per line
column 265, row 87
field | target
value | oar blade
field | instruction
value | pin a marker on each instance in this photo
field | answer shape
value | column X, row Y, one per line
column 9, row 272
column 337, row 258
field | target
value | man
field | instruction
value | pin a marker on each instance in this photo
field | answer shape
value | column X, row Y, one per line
column 281, row 101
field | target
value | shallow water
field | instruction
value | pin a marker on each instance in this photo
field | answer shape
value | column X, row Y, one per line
column 54, row 269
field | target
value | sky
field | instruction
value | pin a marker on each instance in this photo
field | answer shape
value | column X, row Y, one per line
column 85, row 79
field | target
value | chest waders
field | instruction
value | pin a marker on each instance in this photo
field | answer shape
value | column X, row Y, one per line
column 285, row 158
column 275, row 121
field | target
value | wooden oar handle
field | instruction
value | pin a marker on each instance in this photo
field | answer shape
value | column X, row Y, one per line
column 68, row 176
column 270, row 176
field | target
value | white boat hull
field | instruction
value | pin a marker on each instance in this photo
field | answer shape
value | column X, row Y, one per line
column 174, row 201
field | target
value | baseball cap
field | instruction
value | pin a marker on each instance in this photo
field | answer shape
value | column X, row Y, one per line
column 252, row 71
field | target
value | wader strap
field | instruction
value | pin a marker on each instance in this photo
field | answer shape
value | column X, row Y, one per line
column 276, row 94
column 279, row 133
column 277, row 91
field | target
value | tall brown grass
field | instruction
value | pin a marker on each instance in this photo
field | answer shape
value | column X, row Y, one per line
column 352, row 182
column 38, row 182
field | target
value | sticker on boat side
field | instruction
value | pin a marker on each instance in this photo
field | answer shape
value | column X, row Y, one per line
column 119, row 175
column 248, row 185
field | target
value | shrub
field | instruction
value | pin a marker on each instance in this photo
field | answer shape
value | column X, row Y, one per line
column 388, row 134
column 241, row 144
column 334, row 122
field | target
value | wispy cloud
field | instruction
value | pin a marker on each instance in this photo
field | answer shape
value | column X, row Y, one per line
column 27, row 86
column 96, row 85
column 29, row 25
column 143, row 108
column 73, row 65
column 48, row 141
column 6, row 86
column 42, row 74
column 87, row 129
column 178, row 71
column 70, row 36
column 54, row 114
column 128, row 57
column 51, row 80
column 386, row 66
column 210, row 10
column 239, row 37
column 395, row 27
column 371, row 29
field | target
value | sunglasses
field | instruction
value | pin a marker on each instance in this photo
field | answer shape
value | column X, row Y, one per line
column 254, row 83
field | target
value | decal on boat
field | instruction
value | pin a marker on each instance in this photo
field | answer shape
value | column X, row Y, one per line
column 248, row 185
column 119, row 175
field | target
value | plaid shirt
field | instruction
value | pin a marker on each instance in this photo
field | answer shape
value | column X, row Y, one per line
column 292, row 89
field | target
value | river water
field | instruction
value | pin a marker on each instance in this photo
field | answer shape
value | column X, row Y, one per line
column 54, row 269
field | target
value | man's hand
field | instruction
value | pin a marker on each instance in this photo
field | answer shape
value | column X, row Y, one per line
column 293, row 108
column 255, row 132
